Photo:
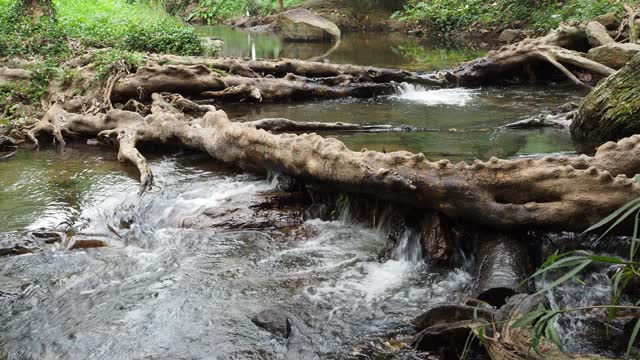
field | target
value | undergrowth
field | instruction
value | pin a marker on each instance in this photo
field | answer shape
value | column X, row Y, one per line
column 541, row 15
column 213, row 11
column 131, row 25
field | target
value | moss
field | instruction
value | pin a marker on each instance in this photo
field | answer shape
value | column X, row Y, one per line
column 612, row 110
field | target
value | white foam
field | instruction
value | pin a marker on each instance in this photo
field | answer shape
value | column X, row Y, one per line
column 455, row 97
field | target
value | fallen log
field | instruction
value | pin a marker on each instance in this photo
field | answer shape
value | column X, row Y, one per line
column 200, row 81
column 563, row 193
column 281, row 67
column 504, row 261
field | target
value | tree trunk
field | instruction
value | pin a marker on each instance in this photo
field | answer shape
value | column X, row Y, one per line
column 612, row 110
column 280, row 6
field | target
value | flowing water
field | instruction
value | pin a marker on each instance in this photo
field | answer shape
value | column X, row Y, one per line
column 169, row 286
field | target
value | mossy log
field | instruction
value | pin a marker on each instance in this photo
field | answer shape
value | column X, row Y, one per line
column 612, row 110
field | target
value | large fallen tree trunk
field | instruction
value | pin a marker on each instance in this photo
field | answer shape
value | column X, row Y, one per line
column 566, row 193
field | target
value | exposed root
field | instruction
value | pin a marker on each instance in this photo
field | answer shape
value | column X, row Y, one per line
column 633, row 34
column 280, row 125
column 281, row 67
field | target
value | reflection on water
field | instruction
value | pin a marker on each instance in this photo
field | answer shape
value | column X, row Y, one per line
column 391, row 50
column 464, row 122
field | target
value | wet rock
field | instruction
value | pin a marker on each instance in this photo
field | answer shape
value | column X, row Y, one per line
column 451, row 313
column 447, row 338
column 288, row 183
column 49, row 237
column 317, row 211
column 597, row 34
column 263, row 211
column 273, row 321
column 614, row 55
column 610, row 21
column 7, row 143
column 510, row 36
column 437, row 238
column 85, row 243
column 92, row 142
column 304, row 25
column 17, row 244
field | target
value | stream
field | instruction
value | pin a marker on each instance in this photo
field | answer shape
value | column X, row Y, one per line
column 169, row 286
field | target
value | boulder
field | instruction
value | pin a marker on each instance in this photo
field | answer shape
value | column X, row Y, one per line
column 304, row 25
column 510, row 36
column 614, row 55
column 273, row 321
column 611, row 111
column 610, row 21
column 597, row 34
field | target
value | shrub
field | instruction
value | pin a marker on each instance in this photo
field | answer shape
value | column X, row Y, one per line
column 126, row 24
column 212, row 11
column 541, row 14
column 163, row 37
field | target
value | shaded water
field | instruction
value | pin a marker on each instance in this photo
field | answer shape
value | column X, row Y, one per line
column 389, row 50
column 169, row 287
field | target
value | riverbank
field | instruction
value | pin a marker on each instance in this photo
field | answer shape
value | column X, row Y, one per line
column 480, row 23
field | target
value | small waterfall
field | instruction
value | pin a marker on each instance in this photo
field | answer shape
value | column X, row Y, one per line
column 408, row 247
column 429, row 97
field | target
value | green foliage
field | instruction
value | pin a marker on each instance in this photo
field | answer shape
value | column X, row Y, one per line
column 542, row 15
column 107, row 61
column 27, row 93
column 214, row 11
column 24, row 36
column 132, row 25
column 543, row 320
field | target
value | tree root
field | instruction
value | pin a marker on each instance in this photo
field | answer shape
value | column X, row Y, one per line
column 565, row 193
column 201, row 82
column 510, row 61
column 281, row 67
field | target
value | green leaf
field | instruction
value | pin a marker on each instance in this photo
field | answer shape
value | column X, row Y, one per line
column 620, row 219
column 553, row 335
column 528, row 318
column 632, row 340
column 613, row 215
column 566, row 276
column 565, row 262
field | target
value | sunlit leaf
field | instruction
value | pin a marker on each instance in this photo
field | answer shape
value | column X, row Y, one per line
column 566, row 276
column 632, row 339
column 613, row 215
